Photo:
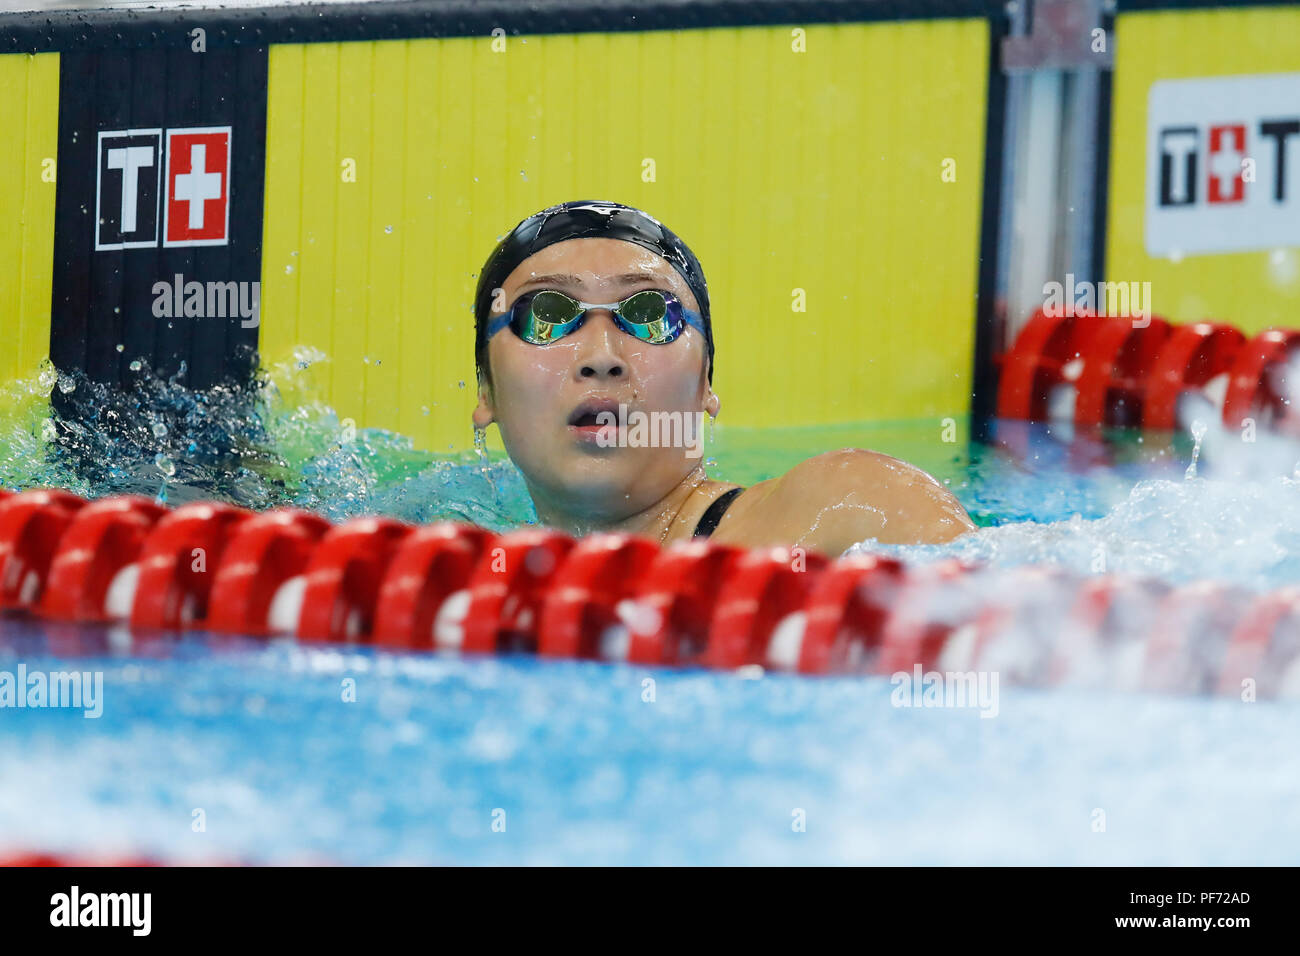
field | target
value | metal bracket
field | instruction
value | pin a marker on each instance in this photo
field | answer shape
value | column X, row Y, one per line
column 1066, row 35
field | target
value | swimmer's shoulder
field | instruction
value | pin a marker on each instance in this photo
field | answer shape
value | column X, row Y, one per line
column 836, row 499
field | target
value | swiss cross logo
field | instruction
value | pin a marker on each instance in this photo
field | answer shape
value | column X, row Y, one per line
column 197, row 210
column 1227, row 150
column 174, row 188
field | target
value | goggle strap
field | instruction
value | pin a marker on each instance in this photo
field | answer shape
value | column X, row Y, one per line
column 693, row 320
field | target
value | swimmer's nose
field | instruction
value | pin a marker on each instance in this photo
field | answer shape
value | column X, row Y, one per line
column 599, row 356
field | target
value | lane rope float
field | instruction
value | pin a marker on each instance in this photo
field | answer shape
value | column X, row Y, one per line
column 146, row 571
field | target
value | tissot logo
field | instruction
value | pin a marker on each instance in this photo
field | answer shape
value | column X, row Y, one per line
column 1223, row 164
column 161, row 160
column 183, row 188
column 1227, row 162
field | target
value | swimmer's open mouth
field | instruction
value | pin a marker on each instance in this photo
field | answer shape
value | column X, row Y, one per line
column 586, row 414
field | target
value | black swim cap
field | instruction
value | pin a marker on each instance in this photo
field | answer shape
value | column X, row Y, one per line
column 585, row 219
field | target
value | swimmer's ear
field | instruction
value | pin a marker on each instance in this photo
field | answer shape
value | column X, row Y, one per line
column 712, row 404
column 485, row 411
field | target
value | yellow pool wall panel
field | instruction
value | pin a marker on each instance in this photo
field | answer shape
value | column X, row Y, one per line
column 29, row 115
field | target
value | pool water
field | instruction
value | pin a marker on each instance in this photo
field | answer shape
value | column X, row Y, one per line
column 218, row 749
column 579, row 766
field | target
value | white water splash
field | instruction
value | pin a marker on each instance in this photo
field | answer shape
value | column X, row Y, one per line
column 1241, row 533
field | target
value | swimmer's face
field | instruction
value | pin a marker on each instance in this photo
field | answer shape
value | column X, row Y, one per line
column 538, row 392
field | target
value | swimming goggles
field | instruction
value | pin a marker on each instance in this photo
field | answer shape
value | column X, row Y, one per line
column 651, row 315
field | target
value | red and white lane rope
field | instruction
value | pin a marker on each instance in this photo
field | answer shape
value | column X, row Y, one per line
column 1095, row 370
column 146, row 570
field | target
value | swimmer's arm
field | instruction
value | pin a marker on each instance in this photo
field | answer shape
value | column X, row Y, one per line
column 834, row 500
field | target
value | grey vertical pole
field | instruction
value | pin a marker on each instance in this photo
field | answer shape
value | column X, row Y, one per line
column 1054, row 69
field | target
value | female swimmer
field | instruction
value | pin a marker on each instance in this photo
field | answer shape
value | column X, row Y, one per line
column 594, row 349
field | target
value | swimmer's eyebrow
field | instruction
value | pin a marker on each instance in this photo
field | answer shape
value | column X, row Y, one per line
column 569, row 281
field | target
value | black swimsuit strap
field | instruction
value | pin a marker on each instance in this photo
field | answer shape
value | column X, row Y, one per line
column 709, row 520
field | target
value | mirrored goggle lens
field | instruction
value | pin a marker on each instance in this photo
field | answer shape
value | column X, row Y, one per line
column 554, row 308
column 647, row 316
column 546, row 317
column 645, row 308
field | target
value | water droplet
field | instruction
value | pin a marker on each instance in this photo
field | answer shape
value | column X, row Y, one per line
column 48, row 431
column 47, row 378
column 288, row 270
column 159, row 430
column 480, row 447
column 460, row 384
column 67, row 384
column 164, row 464
column 1198, row 433
column 388, row 229
column 135, row 365
column 121, row 347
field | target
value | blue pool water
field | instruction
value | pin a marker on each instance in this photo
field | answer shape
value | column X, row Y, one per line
column 585, row 770
column 572, row 762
